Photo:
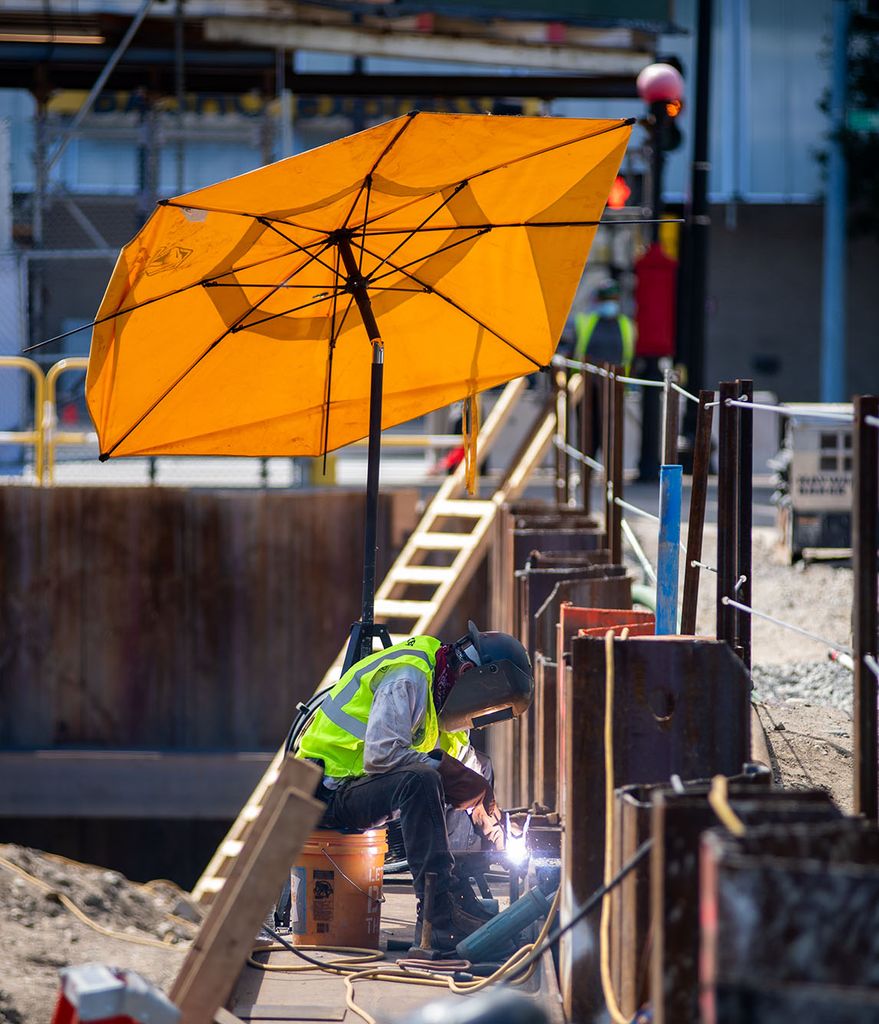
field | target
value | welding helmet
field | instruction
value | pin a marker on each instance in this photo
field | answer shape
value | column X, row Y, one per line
column 499, row 684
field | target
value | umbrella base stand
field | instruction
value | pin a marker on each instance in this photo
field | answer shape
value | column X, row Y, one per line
column 360, row 642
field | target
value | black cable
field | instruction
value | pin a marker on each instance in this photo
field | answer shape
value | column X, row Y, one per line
column 588, row 906
column 323, row 965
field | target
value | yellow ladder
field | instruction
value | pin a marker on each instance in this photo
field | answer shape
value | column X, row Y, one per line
column 458, row 525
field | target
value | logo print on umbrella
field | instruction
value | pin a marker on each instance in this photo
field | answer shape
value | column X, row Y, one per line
column 170, row 257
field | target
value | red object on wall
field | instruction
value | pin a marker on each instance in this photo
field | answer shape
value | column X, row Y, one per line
column 655, row 281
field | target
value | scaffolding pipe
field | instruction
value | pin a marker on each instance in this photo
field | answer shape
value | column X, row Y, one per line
column 97, row 88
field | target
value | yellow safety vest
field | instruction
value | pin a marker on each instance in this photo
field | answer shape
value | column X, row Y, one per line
column 337, row 732
column 585, row 326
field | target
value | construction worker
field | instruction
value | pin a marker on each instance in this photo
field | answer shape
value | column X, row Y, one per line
column 391, row 737
column 605, row 335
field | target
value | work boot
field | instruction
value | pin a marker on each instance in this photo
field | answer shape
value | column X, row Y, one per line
column 461, row 891
column 450, row 923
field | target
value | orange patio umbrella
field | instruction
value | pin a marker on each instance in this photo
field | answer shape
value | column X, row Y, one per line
column 315, row 301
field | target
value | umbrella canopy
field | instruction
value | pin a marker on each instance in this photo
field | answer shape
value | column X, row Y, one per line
column 234, row 321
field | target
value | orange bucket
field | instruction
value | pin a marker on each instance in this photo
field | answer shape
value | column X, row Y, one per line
column 336, row 889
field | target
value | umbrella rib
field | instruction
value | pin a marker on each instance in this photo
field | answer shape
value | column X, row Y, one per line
column 519, row 224
column 367, row 181
column 202, row 282
column 240, row 326
column 622, row 123
column 331, row 351
column 436, row 252
column 241, row 213
column 475, row 319
column 229, row 330
column 312, row 256
column 414, row 230
column 365, row 222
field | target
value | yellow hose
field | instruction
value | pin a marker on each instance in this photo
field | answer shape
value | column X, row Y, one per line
column 65, row 901
column 604, row 952
column 718, row 798
column 411, row 976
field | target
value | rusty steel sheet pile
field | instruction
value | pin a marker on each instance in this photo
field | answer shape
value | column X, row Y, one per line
column 681, row 707
column 677, row 821
column 808, row 894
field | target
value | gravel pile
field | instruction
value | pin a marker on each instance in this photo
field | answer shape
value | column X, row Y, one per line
column 822, row 683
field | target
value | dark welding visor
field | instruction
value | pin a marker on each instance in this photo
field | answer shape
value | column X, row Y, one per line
column 498, row 687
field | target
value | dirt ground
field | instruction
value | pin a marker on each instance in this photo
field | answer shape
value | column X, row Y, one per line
column 40, row 934
column 811, row 748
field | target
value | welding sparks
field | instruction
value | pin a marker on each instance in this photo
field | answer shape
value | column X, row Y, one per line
column 516, row 847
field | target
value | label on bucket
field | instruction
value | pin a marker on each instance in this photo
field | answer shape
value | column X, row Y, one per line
column 323, row 892
column 298, row 901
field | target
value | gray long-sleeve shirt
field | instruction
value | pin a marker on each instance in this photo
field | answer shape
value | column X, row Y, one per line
column 396, row 723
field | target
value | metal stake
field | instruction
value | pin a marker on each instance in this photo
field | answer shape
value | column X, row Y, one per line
column 726, row 513
column 865, row 501
column 698, row 495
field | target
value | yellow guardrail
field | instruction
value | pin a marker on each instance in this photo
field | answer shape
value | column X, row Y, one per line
column 34, row 436
column 52, row 436
column 45, row 435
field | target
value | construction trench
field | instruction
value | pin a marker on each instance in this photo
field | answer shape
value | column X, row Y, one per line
column 661, row 863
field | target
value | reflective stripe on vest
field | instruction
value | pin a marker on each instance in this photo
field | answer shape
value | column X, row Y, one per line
column 334, row 706
column 337, row 732
column 585, row 326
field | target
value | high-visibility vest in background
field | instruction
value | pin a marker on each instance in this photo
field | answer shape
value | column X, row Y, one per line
column 337, row 732
column 585, row 324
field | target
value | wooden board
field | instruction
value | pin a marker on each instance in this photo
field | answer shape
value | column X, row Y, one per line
column 226, row 936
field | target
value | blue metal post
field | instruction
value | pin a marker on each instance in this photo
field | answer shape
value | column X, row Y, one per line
column 833, row 328
column 669, row 549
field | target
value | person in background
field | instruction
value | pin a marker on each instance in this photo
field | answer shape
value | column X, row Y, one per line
column 606, row 335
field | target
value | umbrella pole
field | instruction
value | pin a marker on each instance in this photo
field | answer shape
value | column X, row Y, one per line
column 363, row 632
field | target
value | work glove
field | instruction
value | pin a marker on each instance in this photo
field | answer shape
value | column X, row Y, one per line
column 463, row 787
column 488, row 819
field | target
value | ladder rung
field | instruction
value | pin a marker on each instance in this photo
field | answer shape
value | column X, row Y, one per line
column 420, row 574
column 213, row 884
column 401, row 609
column 471, row 508
column 443, row 541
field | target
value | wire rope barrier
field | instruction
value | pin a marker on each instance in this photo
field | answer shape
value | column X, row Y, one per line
column 578, row 455
column 787, row 625
column 683, row 391
column 599, row 371
column 781, row 410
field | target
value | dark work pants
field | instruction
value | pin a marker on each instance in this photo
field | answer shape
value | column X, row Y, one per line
column 416, row 791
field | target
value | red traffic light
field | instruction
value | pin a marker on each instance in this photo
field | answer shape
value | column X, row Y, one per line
column 619, row 193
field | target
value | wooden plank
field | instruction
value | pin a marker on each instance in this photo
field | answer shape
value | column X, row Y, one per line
column 390, row 608
column 443, row 541
column 467, row 508
column 224, row 941
column 428, row 574
column 126, row 784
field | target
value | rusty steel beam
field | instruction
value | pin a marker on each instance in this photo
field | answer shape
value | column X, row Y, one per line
column 618, row 406
column 727, row 544
column 745, row 498
column 696, row 520
column 865, row 501
column 671, row 420
column 588, row 397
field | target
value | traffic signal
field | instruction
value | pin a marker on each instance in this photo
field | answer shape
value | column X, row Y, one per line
column 664, row 123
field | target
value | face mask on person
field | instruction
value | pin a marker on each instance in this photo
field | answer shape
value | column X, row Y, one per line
column 609, row 308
